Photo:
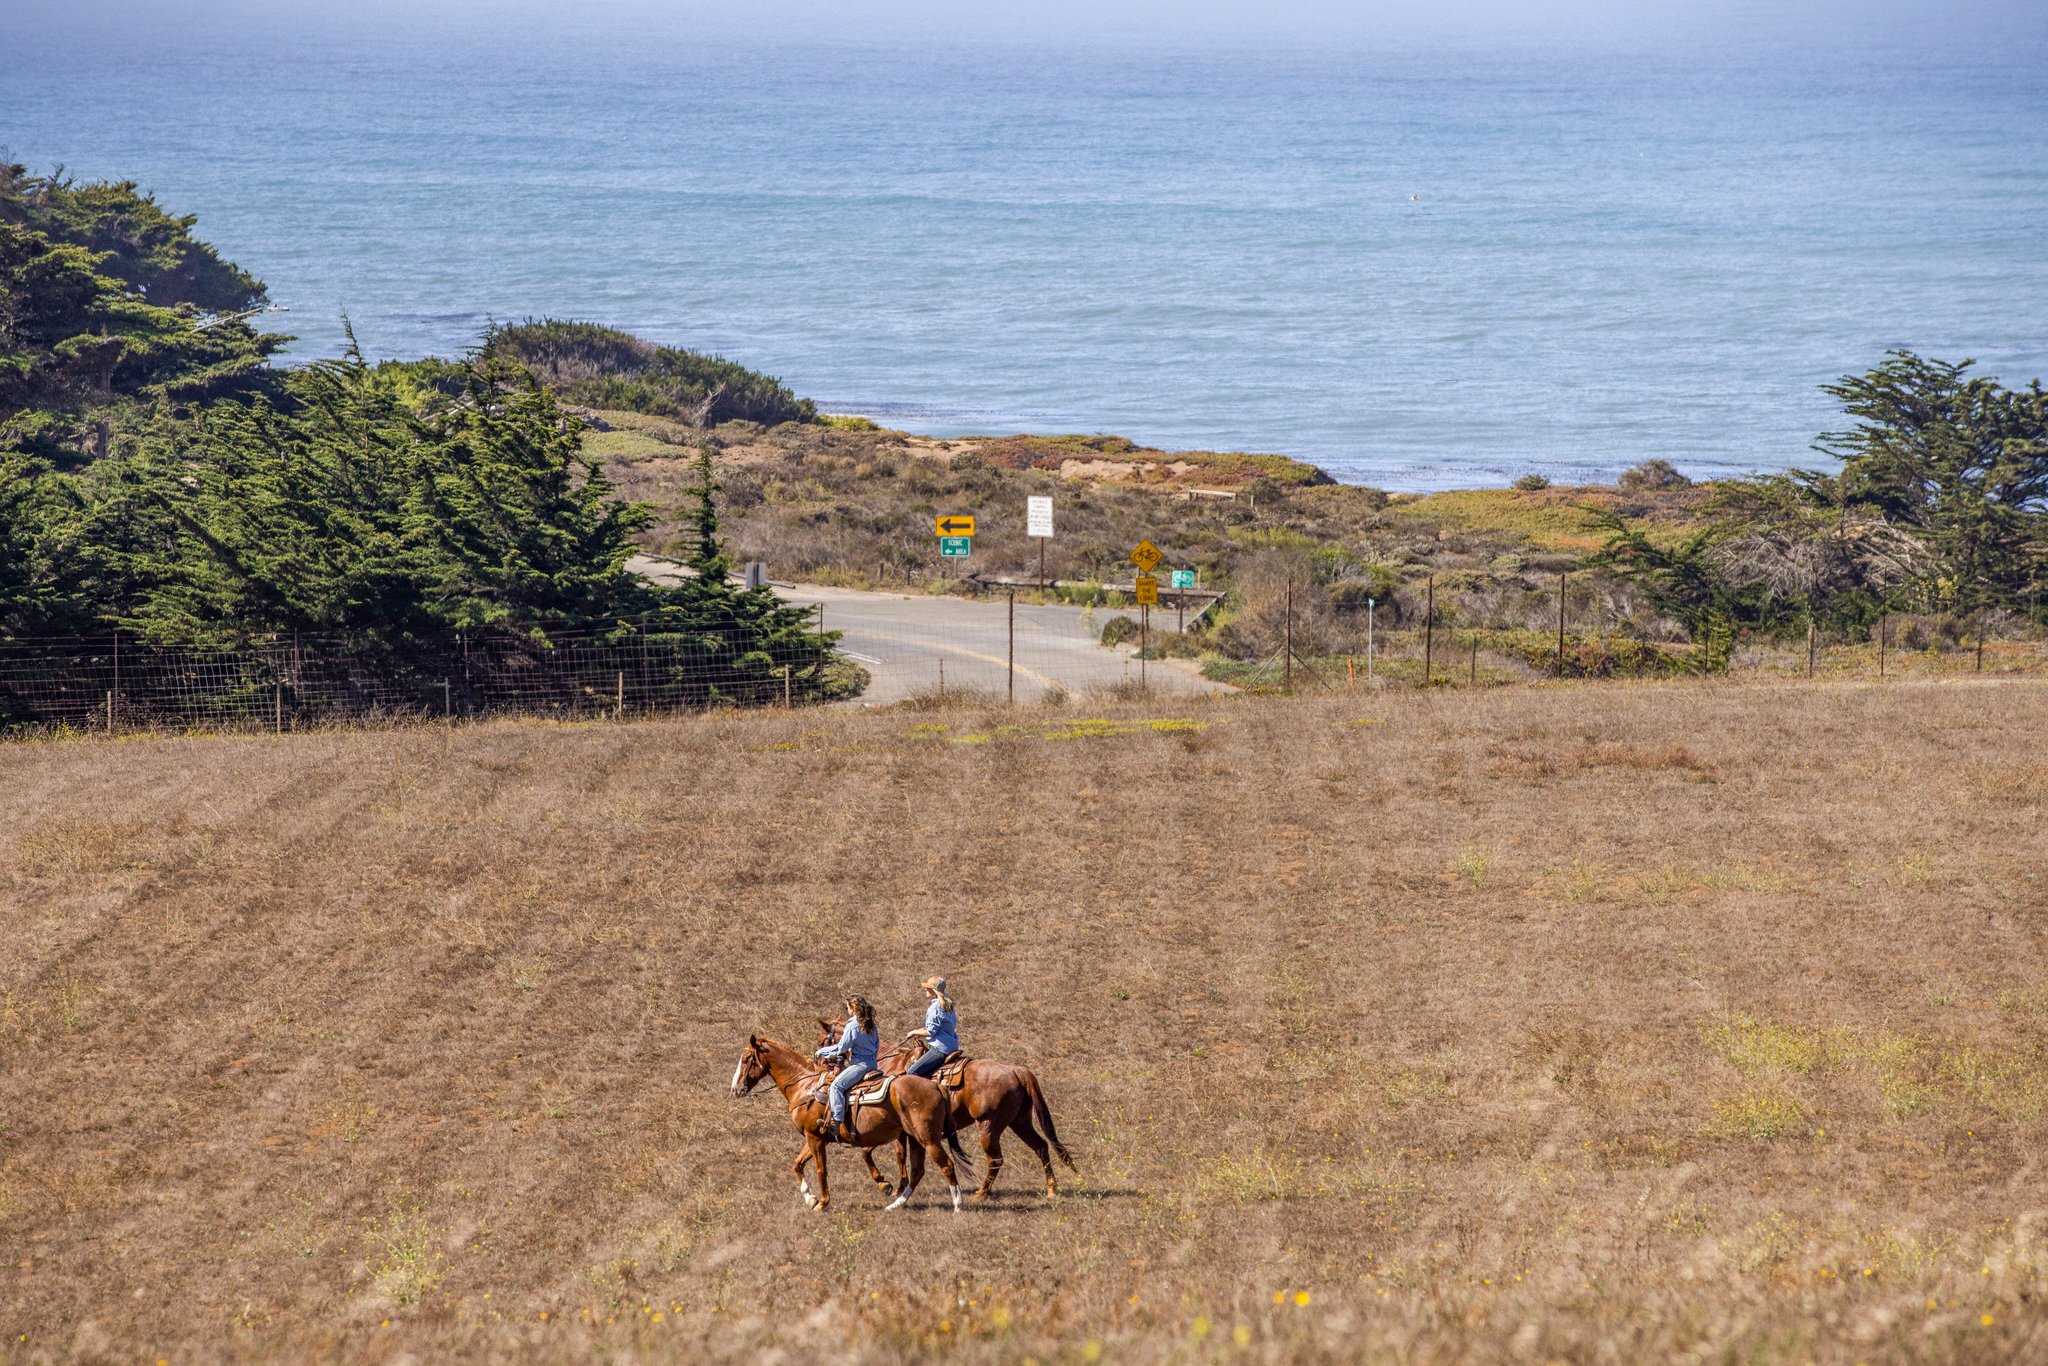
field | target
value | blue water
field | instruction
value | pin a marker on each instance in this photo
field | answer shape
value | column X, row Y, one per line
column 1417, row 267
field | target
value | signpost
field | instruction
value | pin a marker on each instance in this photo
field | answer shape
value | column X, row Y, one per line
column 1038, row 524
column 954, row 526
column 956, row 547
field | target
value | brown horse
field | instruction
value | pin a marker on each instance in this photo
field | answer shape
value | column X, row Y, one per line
column 913, row 1110
column 995, row 1095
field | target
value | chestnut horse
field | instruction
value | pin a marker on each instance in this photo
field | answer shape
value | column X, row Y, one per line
column 914, row 1110
column 995, row 1095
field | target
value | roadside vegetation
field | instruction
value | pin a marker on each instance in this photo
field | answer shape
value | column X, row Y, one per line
column 159, row 481
column 1652, row 1022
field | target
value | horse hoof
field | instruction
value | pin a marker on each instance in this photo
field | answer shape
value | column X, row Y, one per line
column 898, row 1203
column 956, row 1198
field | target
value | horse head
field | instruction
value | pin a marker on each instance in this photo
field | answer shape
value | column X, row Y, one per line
column 753, row 1065
column 828, row 1030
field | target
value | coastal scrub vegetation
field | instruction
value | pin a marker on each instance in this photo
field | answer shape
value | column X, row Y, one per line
column 601, row 367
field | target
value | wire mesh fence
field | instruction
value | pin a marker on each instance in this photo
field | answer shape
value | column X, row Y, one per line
column 112, row 682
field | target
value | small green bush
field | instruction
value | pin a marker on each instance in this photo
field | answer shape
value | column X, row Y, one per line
column 1530, row 483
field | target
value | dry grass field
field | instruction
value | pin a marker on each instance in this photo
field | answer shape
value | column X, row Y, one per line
column 1601, row 1023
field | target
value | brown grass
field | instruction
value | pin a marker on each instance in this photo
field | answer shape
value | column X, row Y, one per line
column 1617, row 1023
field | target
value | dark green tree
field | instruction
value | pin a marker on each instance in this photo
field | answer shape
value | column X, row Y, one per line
column 1960, row 461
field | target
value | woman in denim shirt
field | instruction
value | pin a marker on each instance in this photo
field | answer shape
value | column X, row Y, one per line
column 941, row 1032
column 858, row 1047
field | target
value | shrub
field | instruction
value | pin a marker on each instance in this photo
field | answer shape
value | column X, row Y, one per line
column 1653, row 476
column 1530, row 483
column 602, row 367
column 1119, row 629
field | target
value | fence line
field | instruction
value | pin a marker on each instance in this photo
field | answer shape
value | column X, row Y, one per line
column 116, row 681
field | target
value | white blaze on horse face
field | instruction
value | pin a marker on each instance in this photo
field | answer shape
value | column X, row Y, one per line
column 738, row 1068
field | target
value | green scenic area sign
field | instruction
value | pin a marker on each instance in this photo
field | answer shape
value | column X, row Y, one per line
column 1183, row 578
column 956, row 547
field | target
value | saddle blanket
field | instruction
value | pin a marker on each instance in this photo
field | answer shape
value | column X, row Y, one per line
column 871, row 1092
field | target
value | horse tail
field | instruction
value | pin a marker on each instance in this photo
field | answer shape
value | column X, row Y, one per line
column 1043, row 1114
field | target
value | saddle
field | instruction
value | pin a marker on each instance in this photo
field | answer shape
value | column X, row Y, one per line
column 952, row 1073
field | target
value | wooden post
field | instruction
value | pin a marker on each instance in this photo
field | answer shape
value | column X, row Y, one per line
column 277, row 710
column 1041, row 564
column 117, row 683
column 1144, row 638
column 1287, row 649
column 1351, row 671
column 788, row 698
column 942, row 676
column 110, row 711
column 1560, row 625
column 1980, row 646
column 1370, row 604
column 1013, row 644
column 1809, row 646
column 1475, row 659
column 447, row 702
column 1884, row 622
column 1429, row 635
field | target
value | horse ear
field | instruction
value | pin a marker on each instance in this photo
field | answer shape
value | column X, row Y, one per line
column 752, row 1042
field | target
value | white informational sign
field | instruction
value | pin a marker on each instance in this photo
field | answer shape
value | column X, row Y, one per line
column 1038, row 516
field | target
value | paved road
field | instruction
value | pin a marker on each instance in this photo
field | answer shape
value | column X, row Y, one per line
column 908, row 643
column 905, row 641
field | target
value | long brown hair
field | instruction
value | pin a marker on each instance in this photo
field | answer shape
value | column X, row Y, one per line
column 863, row 1012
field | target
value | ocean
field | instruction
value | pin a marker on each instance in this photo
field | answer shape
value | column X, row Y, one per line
column 1417, row 266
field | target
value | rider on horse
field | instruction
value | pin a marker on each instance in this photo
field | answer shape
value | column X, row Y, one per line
column 858, row 1047
column 941, row 1032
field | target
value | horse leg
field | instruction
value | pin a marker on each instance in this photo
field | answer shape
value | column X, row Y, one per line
column 992, row 1152
column 824, row 1194
column 1021, row 1126
column 803, row 1183
column 913, row 1172
column 867, row 1155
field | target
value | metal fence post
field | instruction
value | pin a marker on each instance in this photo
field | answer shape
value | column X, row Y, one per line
column 1013, row 645
column 1429, row 635
column 1287, row 650
column 1560, row 625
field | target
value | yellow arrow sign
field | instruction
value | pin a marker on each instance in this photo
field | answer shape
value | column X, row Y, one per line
column 954, row 526
column 1146, row 556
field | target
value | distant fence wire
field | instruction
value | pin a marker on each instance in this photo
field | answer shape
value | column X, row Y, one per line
column 115, row 681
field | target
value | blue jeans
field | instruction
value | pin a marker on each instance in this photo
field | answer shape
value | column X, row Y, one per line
column 843, row 1083
column 927, row 1064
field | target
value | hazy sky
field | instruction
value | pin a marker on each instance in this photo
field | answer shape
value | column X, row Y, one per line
column 2020, row 26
